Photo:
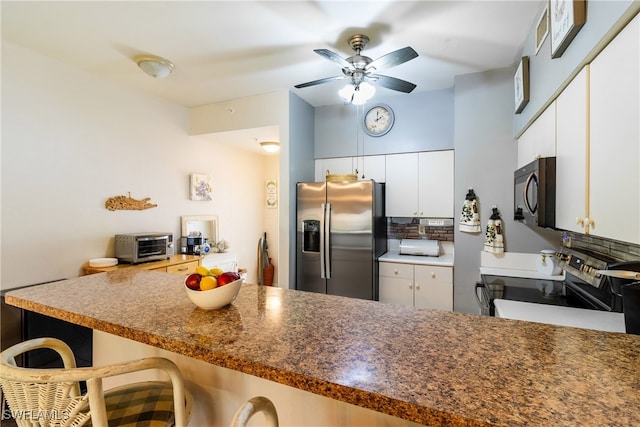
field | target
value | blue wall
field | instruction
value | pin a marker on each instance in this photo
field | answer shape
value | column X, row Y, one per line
column 549, row 76
column 424, row 122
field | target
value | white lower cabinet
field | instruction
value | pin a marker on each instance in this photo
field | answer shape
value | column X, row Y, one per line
column 422, row 286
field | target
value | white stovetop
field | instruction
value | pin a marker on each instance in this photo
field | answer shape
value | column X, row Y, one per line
column 562, row 316
column 513, row 264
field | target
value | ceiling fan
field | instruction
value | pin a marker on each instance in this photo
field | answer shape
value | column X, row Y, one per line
column 359, row 69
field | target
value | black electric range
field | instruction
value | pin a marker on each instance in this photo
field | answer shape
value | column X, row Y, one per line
column 583, row 286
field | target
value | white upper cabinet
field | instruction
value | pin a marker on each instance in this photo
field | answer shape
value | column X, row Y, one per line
column 371, row 167
column 420, row 184
column 539, row 140
column 598, row 144
column 571, row 154
column 435, row 184
column 615, row 137
column 401, row 190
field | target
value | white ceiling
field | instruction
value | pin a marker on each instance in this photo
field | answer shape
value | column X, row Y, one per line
column 230, row 49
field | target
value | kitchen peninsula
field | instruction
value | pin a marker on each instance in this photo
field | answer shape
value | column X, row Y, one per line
column 423, row 366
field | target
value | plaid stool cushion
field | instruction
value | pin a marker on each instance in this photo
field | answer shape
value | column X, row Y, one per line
column 147, row 404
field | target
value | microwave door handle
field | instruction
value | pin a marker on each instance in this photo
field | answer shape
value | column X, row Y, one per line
column 327, row 241
column 532, row 179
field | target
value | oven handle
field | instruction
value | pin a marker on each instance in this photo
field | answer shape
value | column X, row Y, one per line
column 475, row 292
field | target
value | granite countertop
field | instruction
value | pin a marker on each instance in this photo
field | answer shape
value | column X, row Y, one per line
column 427, row 366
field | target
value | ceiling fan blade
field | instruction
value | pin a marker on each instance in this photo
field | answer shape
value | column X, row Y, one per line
column 332, row 56
column 320, row 81
column 392, row 59
column 391, row 83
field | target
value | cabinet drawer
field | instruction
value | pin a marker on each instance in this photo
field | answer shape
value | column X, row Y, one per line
column 429, row 274
column 186, row 268
column 391, row 269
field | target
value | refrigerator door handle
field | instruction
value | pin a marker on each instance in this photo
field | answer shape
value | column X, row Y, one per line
column 322, row 237
column 327, row 241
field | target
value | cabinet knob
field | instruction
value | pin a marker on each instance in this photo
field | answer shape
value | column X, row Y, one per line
column 580, row 221
column 410, row 286
column 433, row 275
column 417, row 287
column 395, row 271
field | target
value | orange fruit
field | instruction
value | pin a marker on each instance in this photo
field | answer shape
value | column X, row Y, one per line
column 208, row 282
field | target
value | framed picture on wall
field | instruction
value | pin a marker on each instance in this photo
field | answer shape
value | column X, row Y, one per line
column 200, row 187
column 566, row 18
column 542, row 28
column 521, row 84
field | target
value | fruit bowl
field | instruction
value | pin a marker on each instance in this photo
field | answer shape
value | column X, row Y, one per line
column 216, row 297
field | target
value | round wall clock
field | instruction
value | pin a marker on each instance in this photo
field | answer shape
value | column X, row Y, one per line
column 378, row 120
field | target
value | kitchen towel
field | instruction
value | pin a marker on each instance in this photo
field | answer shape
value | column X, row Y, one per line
column 494, row 239
column 470, row 218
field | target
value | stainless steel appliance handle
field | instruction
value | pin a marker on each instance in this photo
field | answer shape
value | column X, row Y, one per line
column 327, row 240
column 620, row 274
column 475, row 292
column 323, row 267
column 527, row 203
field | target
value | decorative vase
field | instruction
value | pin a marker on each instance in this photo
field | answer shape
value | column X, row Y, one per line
column 268, row 273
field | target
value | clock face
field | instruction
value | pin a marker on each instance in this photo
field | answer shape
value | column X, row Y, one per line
column 378, row 120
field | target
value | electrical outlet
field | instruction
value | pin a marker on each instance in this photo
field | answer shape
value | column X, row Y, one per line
column 421, row 229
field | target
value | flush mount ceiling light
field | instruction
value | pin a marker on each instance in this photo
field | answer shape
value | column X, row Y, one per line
column 270, row 146
column 155, row 66
column 357, row 94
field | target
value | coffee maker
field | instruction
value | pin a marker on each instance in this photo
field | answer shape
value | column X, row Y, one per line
column 194, row 244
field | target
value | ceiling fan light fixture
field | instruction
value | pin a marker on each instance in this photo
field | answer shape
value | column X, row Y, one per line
column 155, row 66
column 270, row 146
column 357, row 95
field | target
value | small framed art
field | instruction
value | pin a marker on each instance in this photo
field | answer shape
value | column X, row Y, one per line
column 200, row 188
column 521, row 84
column 542, row 28
column 566, row 18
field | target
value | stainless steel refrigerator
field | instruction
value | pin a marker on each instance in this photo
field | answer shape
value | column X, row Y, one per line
column 341, row 232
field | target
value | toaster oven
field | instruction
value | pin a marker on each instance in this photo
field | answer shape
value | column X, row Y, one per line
column 142, row 247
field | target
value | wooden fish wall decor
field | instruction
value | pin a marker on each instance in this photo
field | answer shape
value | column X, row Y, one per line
column 122, row 203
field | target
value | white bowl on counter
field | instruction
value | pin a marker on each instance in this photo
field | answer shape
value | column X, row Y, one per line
column 215, row 298
column 103, row 262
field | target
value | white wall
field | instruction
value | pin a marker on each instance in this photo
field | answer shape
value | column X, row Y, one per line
column 71, row 140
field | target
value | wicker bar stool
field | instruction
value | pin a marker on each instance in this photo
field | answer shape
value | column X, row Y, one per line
column 51, row 397
column 252, row 407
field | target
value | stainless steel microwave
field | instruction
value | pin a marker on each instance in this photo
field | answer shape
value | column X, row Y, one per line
column 143, row 247
column 535, row 193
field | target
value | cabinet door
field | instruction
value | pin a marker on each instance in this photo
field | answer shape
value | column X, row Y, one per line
column 615, row 138
column 393, row 290
column 433, row 287
column 435, row 184
column 401, row 191
column 571, row 156
column 396, row 283
column 372, row 167
column 539, row 140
